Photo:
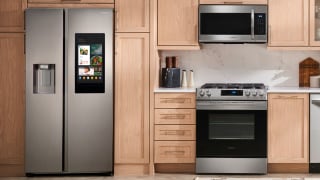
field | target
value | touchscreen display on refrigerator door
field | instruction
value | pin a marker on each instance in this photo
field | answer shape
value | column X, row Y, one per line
column 89, row 63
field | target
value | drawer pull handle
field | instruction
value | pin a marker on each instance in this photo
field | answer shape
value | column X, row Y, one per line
column 287, row 97
column 173, row 116
column 233, row 2
column 174, row 152
column 171, row 100
column 175, row 132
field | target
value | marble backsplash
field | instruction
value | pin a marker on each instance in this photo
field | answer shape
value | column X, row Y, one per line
column 242, row 63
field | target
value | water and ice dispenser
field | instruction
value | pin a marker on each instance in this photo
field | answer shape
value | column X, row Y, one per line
column 43, row 78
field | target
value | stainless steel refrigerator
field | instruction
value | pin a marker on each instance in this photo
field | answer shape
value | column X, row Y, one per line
column 69, row 91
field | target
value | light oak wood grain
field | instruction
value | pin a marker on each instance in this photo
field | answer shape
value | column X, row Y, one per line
column 178, row 22
column 288, row 128
column 175, row 100
column 12, row 98
column 132, row 16
column 131, row 169
column 70, row 1
column 288, row 22
column 12, row 15
column 82, row 5
column 175, row 116
column 175, row 152
column 175, row 132
column 288, row 168
column 132, row 98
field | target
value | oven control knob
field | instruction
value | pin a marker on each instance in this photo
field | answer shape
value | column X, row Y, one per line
column 208, row 93
column 261, row 93
column 201, row 93
column 247, row 93
column 254, row 93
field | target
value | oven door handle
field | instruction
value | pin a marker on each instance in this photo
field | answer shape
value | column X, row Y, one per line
column 232, row 105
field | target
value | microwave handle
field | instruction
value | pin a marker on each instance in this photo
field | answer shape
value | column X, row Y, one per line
column 252, row 23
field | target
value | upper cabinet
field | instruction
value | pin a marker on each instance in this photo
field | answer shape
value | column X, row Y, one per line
column 132, row 16
column 298, row 27
column 288, row 22
column 178, row 23
column 233, row 2
column 12, row 15
column 70, row 1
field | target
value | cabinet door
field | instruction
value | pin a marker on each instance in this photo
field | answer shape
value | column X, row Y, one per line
column 288, row 22
column 177, row 22
column 12, row 15
column 70, row 1
column 314, row 22
column 132, row 15
column 288, row 128
column 132, row 98
column 12, row 98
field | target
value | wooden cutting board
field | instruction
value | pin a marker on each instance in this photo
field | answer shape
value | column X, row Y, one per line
column 308, row 67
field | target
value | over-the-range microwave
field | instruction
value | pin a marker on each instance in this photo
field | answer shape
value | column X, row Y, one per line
column 233, row 23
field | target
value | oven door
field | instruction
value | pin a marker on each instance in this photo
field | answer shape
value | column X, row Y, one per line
column 232, row 129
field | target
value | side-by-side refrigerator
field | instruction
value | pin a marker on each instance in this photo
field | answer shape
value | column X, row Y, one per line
column 69, row 91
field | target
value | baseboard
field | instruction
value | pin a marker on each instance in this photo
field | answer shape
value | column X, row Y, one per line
column 288, row 167
column 175, row 168
column 131, row 169
column 12, row 170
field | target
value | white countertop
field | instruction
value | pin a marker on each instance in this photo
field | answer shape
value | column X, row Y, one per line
column 173, row 90
column 293, row 90
column 270, row 90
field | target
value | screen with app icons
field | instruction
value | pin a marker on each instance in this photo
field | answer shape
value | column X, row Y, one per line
column 89, row 63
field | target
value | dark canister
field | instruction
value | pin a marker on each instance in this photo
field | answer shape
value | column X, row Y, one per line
column 170, row 77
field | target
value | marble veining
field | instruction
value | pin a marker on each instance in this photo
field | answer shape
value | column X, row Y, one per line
column 242, row 63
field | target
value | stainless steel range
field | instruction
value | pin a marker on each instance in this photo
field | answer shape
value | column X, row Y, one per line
column 231, row 128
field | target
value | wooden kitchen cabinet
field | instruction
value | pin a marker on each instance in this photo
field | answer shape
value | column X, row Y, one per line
column 233, row 2
column 70, row 3
column 12, row 106
column 131, row 98
column 12, row 15
column 288, row 130
column 174, row 132
column 177, row 24
column 314, row 22
column 288, row 22
column 132, row 15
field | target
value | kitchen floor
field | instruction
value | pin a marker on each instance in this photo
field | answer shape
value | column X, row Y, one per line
column 180, row 177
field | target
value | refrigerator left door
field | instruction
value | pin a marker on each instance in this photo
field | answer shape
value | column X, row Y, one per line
column 44, row 91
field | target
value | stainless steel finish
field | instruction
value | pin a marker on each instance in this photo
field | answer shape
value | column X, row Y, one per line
column 43, row 78
column 314, row 128
column 248, row 94
column 231, row 165
column 90, row 115
column 252, row 23
column 231, row 105
column 44, row 113
column 88, row 118
column 205, row 38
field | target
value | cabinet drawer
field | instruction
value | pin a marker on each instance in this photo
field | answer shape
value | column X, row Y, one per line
column 175, row 151
column 175, row 116
column 175, row 100
column 175, row 132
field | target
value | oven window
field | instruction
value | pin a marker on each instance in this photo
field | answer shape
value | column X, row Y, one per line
column 231, row 126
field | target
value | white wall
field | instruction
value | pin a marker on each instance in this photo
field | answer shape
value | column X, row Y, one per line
column 242, row 63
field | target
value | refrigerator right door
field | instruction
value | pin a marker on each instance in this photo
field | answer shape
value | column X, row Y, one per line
column 89, row 86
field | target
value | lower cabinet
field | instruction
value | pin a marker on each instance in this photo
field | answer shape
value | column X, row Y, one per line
column 174, row 132
column 12, row 106
column 288, row 132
